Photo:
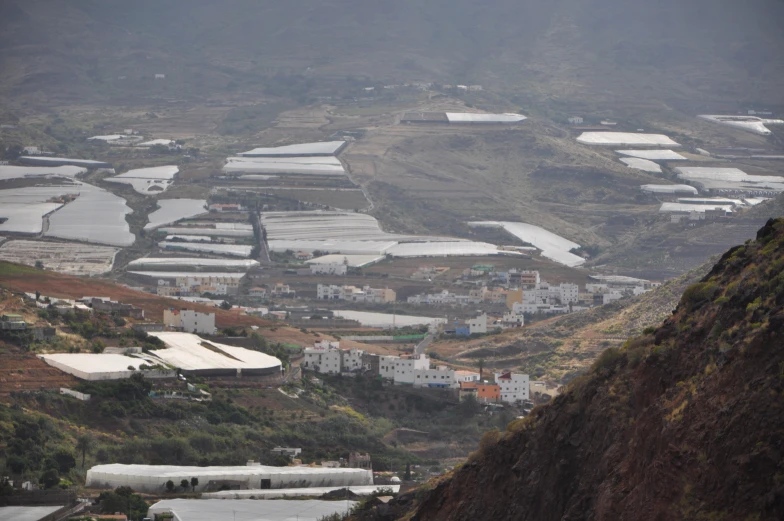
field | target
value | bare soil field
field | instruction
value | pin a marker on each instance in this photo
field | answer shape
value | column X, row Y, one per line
column 24, row 372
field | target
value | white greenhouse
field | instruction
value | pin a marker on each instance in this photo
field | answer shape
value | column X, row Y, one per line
column 153, row 478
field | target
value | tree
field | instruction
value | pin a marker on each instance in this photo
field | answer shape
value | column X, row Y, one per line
column 170, row 486
column 469, row 407
column 481, row 367
column 225, row 305
column 39, row 265
column 64, row 460
column 407, row 475
column 84, row 444
column 50, row 478
column 194, row 483
column 184, row 484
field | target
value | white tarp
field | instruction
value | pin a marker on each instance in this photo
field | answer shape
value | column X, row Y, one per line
column 105, row 366
column 354, row 261
column 95, row 215
column 17, row 172
column 688, row 208
column 153, row 478
column 236, row 250
column 669, row 189
column 748, row 123
column 25, row 218
column 27, row 513
column 553, row 247
column 63, row 257
column 324, row 148
column 445, row 249
column 626, row 138
column 653, row 155
column 386, row 320
column 297, row 492
column 332, row 246
column 712, row 178
column 469, row 117
column 172, row 210
column 216, row 232
column 167, row 263
column 325, row 165
column 641, row 164
column 186, row 351
column 250, row 510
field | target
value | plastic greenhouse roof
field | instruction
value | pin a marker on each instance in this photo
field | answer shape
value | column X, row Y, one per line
column 250, row 510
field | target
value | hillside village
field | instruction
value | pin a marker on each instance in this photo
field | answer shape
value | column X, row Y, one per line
column 259, row 263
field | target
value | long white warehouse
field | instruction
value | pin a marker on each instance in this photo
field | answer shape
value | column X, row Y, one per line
column 153, row 478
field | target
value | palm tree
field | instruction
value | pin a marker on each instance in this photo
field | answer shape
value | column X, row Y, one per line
column 84, row 444
column 481, row 366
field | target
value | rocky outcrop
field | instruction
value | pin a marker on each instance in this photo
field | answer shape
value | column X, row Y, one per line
column 684, row 422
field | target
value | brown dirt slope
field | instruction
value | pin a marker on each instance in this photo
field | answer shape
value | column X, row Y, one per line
column 682, row 423
column 15, row 277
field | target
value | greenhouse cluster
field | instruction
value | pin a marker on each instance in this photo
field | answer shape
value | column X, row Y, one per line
column 153, row 478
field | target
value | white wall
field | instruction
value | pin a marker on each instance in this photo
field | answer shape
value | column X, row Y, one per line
column 435, row 378
column 195, row 322
column 514, row 389
column 405, row 367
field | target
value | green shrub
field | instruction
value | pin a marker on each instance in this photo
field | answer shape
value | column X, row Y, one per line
column 698, row 293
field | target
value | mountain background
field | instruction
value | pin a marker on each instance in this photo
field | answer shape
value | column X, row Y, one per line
column 537, row 50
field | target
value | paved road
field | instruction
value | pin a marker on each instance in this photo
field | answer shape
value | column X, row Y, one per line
column 422, row 346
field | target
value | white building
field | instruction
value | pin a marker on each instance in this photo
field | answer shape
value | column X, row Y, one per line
column 323, row 359
column 514, row 387
column 576, row 120
column 512, row 319
column 327, row 357
column 355, row 294
column 477, row 325
column 405, row 368
column 386, row 366
column 466, row 376
column 611, row 297
column 328, row 269
column 190, row 321
column 438, row 377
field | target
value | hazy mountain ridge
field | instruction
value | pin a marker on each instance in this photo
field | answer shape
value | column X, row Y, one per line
column 600, row 48
column 684, row 422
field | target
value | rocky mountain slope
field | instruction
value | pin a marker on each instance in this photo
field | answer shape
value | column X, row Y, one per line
column 684, row 422
column 609, row 49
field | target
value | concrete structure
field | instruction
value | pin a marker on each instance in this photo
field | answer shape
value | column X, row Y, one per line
column 190, row 321
column 514, row 387
column 289, row 452
column 76, row 394
column 12, row 322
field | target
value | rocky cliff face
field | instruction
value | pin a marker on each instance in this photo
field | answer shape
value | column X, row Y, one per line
column 684, row 422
